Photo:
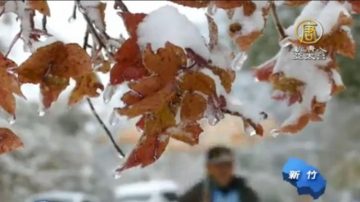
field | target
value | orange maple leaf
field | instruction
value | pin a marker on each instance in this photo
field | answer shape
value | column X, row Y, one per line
column 52, row 66
column 86, row 86
column 9, row 141
column 9, row 85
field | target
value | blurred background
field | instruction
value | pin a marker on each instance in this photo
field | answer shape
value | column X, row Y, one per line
column 66, row 149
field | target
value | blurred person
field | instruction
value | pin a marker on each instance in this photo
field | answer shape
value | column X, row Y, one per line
column 221, row 183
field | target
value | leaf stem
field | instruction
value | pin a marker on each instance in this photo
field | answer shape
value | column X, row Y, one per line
column 277, row 22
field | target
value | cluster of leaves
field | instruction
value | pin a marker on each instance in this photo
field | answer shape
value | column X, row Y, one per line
column 297, row 91
column 173, row 88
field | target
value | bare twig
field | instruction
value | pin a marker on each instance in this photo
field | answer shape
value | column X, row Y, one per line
column 93, row 110
column 44, row 22
column 277, row 22
column 13, row 42
column 119, row 4
column 108, row 133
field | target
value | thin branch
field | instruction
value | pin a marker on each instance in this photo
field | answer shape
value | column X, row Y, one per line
column 108, row 133
column 93, row 31
column 278, row 24
column 119, row 4
column 13, row 42
column 93, row 110
column 44, row 22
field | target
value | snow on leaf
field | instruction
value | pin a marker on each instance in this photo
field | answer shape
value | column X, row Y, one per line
column 193, row 107
column 9, row 141
column 51, row 66
column 306, row 84
column 245, row 27
column 337, row 37
column 154, row 141
column 152, row 31
column 40, row 5
column 151, row 103
column 226, row 76
column 9, row 85
column 86, row 86
column 187, row 132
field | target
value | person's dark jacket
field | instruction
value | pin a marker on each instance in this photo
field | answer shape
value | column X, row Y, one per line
column 201, row 192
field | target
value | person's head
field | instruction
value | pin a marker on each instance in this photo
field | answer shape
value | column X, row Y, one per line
column 220, row 165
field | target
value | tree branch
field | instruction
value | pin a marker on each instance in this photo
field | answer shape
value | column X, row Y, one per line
column 13, row 42
column 93, row 110
column 108, row 133
column 119, row 4
column 277, row 22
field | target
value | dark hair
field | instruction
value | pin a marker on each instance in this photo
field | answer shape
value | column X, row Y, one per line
column 218, row 151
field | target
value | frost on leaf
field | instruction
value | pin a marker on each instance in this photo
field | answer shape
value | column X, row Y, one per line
column 8, row 141
column 308, row 85
column 52, row 66
column 9, row 85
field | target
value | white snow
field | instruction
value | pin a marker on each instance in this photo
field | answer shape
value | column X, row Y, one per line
column 166, row 24
column 327, row 14
column 252, row 23
column 220, row 90
column 93, row 11
column 316, row 80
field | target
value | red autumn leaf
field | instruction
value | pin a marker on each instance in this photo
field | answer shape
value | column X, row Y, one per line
column 165, row 62
column 151, row 103
column 355, row 4
column 153, row 142
column 188, row 132
column 146, row 86
column 51, row 66
column 129, row 65
column 9, row 85
column 9, row 141
column 40, row 5
column 132, row 20
column 193, row 107
column 86, row 86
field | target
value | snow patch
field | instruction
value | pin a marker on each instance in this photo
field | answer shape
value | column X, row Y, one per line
column 166, row 24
